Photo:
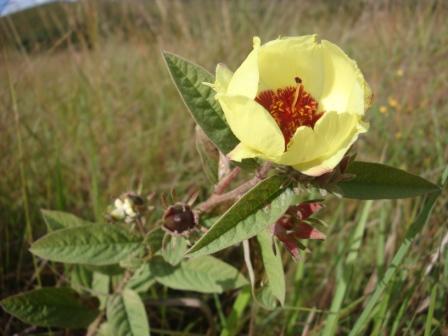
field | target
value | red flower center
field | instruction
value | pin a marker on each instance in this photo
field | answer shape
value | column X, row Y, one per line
column 291, row 108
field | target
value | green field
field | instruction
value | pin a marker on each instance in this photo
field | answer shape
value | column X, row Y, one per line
column 88, row 111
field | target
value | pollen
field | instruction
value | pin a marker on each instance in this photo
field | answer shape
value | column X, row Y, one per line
column 291, row 107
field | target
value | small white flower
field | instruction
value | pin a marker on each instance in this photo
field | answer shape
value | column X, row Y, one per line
column 123, row 209
column 128, row 208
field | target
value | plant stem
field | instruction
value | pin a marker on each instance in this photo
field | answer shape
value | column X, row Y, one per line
column 216, row 198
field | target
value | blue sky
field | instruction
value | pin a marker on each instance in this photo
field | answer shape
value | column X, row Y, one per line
column 12, row 6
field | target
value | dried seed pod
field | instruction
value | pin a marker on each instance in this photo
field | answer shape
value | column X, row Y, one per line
column 179, row 218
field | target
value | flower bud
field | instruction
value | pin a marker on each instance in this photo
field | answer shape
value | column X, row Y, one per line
column 179, row 218
column 291, row 226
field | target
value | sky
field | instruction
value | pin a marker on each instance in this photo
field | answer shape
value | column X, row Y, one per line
column 11, row 6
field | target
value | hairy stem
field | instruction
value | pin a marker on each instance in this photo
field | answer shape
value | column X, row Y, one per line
column 217, row 198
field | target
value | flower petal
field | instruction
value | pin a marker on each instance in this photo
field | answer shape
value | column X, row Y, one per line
column 253, row 125
column 244, row 81
column 284, row 59
column 241, row 152
column 327, row 163
column 223, row 77
column 332, row 133
column 344, row 86
column 306, row 231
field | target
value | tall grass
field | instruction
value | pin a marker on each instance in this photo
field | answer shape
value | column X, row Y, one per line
column 95, row 114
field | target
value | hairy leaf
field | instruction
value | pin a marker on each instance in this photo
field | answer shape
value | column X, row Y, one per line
column 208, row 154
column 142, row 279
column 205, row 274
column 175, row 249
column 57, row 220
column 258, row 208
column 99, row 244
column 273, row 265
column 50, row 307
column 378, row 181
column 154, row 240
column 199, row 98
column 126, row 314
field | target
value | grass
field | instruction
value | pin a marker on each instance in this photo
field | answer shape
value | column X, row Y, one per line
column 91, row 113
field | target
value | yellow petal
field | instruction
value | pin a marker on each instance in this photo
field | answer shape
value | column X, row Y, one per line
column 245, row 79
column 241, row 152
column 330, row 134
column 327, row 163
column 284, row 59
column 253, row 125
column 345, row 89
column 223, row 77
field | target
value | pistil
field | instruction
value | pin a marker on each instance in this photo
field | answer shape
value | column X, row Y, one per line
column 291, row 107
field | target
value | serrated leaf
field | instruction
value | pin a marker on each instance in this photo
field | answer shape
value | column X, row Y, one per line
column 258, row 208
column 378, row 181
column 205, row 274
column 50, row 307
column 57, row 220
column 199, row 98
column 273, row 265
column 126, row 314
column 99, row 244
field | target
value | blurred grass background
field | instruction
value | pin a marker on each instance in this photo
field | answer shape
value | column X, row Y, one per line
column 87, row 111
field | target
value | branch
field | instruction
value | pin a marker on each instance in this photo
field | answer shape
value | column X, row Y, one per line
column 216, row 198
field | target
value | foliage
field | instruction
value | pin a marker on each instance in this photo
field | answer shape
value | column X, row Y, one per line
column 117, row 271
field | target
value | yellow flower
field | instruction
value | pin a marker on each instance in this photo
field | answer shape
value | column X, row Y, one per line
column 383, row 109
column 393, row 103
column 294, row 101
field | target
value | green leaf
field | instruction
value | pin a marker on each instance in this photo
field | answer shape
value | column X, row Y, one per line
column 258, row 208
column 104, row 329
column 410, row 236
column 126, row 314
column 205, row 274
column 273, row 265
column 113, row 269
column 378, row 181
column 57, row 220
column 266, row 297
column 235, row 319
column 100, row 287
column 50, row 307
column 154, row 240
column 80, row 277
column 99, row 244
column 142, row 279
column 175, row 249
column 209, row 155
column 200, row 100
